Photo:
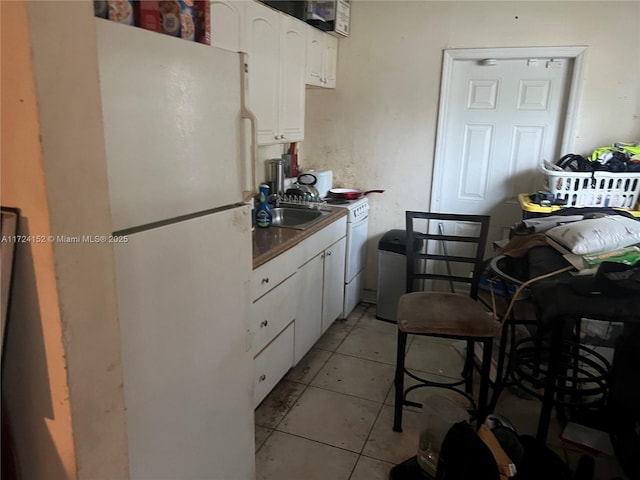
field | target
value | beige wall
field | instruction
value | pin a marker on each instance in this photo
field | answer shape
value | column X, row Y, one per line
column 35, row 389
column 377, row 129
column 63, row 378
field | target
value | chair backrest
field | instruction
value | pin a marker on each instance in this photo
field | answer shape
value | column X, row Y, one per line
column 445, row 247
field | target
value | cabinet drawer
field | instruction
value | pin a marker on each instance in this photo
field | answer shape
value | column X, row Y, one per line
column 269, row 275
column 316, row 243
column 272, row 312
column 272, row 363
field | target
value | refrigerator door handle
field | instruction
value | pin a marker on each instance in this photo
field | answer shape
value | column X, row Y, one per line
column 245, row 112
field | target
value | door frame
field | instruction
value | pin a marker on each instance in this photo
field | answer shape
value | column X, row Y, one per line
column 577, row 54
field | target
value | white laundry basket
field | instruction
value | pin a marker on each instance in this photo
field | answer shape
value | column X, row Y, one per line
column 594, row 189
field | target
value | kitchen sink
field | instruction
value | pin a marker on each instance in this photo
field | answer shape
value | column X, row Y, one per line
column 298, row 218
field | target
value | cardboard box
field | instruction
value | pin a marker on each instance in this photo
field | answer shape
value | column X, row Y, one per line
column 101, row 8
column 343, row 13
column 203, row 22
column 187, row 20
column 121, row 11
column 170, row 17
column 148, row 15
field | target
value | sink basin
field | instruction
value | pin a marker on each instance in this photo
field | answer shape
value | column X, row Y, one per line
column 298, row 218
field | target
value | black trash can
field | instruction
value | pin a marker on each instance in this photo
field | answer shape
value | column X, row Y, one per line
column 392, row 270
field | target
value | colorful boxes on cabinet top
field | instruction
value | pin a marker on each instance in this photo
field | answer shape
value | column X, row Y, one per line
column 187, row 19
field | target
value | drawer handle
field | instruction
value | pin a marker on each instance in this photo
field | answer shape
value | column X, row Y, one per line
column 329, row 253
column 262, row 378
column 265, row 280
column 264, row 323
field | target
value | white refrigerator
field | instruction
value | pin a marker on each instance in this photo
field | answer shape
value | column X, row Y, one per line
column 172, row 130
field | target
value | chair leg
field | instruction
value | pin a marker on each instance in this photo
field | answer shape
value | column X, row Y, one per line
column 501, row 371
column 399, row 381
column 467, row 373
column 485, row 377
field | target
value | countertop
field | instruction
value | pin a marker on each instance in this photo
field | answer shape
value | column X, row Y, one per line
column 270, row 242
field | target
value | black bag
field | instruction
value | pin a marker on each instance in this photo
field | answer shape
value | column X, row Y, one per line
column 575, row 163
column 624, row 400
column 617, row 279
column 464, row 456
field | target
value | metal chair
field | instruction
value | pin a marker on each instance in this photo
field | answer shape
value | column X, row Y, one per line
column 456, row 258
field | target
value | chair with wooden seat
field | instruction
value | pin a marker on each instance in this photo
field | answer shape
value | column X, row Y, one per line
column 455, row 258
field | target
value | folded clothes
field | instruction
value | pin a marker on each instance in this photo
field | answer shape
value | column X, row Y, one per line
column 519, row 245
column 536, row 225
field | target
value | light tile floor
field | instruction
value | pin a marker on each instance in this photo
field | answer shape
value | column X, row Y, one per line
column 330, row 417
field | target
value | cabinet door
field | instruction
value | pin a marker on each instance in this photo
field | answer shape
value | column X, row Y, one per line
column 227, row 19
column 315, row 52
column 262, row 41
column 309, row 309
column 333, row 284
column 293, row 52
column 330, row 61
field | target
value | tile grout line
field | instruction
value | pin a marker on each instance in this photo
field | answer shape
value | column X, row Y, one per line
column 373, row 424
column 307, row 385
column 342, row 393
column 320, row 443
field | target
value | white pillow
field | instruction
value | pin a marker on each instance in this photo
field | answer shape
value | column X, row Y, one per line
column 597, row 234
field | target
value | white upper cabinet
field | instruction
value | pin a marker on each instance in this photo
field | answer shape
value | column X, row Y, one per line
column 322, row 58
column 227, row 25
column 330, row 60
column 276, row 45
column 315, row 65
column 293, row 45
column 262, row 41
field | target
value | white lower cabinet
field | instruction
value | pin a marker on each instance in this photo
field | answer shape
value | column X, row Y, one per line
column 272, row 313
column 320, row 285
column 333, row 283
column 296, row 297
column 321, row 293
column 272, row 363
column 309, row 311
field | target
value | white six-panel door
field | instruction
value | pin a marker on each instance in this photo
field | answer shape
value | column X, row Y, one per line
column 502, row 118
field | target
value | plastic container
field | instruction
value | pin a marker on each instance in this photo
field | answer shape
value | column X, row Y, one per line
column 439, row 414
column 533, row 210
column 263, row 212
column 276, row 173
column 392, row 272
column 594, row 189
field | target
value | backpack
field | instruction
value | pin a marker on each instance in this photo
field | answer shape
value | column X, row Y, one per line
column 464, row 456
column 624, row 400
